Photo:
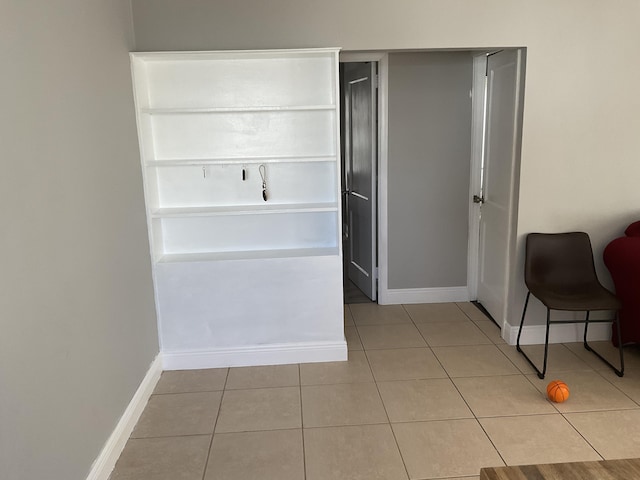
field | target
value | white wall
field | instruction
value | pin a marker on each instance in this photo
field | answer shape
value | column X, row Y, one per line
column 581, row 149
column 77, row 316
column 428, row 169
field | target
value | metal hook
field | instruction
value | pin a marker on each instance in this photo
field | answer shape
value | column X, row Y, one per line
column 204, row 172
column 263, row 174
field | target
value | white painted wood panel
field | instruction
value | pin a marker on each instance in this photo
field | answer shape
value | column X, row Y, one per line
column 232, row 233
column 210, row 305
column 242, row 134
column 299, row 79
column 290, row 183
column 239, row 278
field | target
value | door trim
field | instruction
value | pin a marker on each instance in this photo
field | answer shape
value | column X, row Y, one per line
column 383, row 159
column 427, row 295
column 478, row 99
column 562, row 333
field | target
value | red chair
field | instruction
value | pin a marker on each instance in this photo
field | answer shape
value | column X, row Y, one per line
column 622, row 258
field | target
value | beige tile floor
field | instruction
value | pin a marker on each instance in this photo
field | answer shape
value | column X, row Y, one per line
column 429, row 391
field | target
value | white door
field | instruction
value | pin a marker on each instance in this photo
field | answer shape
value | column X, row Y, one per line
column 360, row 191
column 501, row 154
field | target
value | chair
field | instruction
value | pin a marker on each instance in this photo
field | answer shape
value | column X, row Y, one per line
column 559, row 271
column 622, row 258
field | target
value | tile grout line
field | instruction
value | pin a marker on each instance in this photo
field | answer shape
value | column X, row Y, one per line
column 186, row 393
column 511, row 361
column 475, row 417
column 582, row 436
column 430, row 348
column 442, row 420
column 184, row 435
column 486, row 434
column 613, row 384
column 450, row 380
column 395, row 439
column 246, row 389
column 355, row 327
column 304, row 450
column 424, row 339
column 353, row 319
column 408, row 314
column 215, row 424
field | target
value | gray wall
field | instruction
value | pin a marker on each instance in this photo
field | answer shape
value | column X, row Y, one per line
column 429, row 166
column 77, row 315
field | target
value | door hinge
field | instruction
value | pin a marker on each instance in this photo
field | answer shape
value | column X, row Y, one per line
column 374, row 80
column 478, row 199
column 375, row 273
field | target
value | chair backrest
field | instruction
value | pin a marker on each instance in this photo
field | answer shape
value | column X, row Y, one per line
column 562, row 260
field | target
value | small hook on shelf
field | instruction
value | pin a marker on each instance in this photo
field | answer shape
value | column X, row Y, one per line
column 263, row 174
column 204, row 172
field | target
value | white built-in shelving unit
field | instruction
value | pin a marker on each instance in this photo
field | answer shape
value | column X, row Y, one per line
column 240, row 280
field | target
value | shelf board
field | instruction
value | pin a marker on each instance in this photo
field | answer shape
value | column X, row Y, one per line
column 248, row 255
column 176, row 162
column 212, row 55
column 245, row 210
column 250, row 109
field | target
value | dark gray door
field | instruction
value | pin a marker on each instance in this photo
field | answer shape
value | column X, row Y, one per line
column 360, row 229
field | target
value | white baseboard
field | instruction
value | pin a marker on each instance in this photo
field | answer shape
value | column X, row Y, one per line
column 103, row 465
column 279, row 354
column 423, row 295
column 561, row 333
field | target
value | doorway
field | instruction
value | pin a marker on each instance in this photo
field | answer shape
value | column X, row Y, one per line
column 448, row 282
column 359, row 133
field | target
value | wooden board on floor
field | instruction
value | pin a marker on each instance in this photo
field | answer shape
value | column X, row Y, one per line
column 603, row 470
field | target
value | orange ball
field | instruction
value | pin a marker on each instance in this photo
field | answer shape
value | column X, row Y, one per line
column 557, row 391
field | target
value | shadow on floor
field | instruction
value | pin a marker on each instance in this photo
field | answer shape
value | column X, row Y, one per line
column 353, row 294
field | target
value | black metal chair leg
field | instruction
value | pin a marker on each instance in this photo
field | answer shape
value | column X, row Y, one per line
column 618, row 328
column 586, row 328
column 541, row 373
column 620, row 372
column 524, row 312
column 546, row 346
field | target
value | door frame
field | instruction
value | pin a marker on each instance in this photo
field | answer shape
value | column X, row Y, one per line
column 477, row 146
column 478, row 105
column 382, row 58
